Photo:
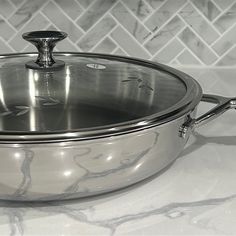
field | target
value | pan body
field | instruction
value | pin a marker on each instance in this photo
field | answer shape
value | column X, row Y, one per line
column 99, row 124
column 66, row 170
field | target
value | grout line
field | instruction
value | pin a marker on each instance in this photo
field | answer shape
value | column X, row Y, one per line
column 86, row 9
column 72, row 20
column 223, row 11
column 51, row 23
column 163, row 25
column 216, row 4
column 190, row 51
column 83, row 8
column 209, row 22
column 26, row 23
column 154, row 11
column 165, row 46
column 186, row 48
column 159, row 50
column 13, row 5
column 16, row 8
column 151, row 10
column 63, row 13
column 202, row 39
column 224, row 54
column 13, row 50
column 196, row 57
column 178, row 63
column 33, row 15
column 13, row 35
column 216, row 29
column 77, row 18
column 223, row 35
column 94, row 26
column 174, row 63
column 205, row 18
column 176, row 56
column 109, row 36
column 120, row 48
column 80, row 28
column 115, row 49
column 100, row 40
column 132, row 14
column 131, row 35
column 57, row 26
column 199, row 36
column 67, row 15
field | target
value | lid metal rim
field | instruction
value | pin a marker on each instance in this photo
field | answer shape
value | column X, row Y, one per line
column 186, row 104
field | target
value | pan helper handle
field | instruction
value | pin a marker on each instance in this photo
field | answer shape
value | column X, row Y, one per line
column 223, row 104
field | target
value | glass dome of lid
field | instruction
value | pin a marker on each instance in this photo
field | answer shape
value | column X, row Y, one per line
column 86, row 94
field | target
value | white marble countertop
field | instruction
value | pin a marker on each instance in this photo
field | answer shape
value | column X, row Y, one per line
column 194, row 196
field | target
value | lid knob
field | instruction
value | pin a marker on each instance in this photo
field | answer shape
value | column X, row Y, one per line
column 44, row 41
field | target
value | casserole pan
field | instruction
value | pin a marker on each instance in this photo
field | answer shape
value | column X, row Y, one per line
column 79, row 124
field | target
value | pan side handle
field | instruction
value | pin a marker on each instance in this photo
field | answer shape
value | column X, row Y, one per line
column 223, row 104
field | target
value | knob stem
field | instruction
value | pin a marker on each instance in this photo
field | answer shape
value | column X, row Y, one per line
column 44, row 41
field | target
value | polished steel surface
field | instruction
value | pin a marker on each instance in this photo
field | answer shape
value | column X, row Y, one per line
column 42, row 172
column 93, row 96
column 45, row 41
column 223, row 104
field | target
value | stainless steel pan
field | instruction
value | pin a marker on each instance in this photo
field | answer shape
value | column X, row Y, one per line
column 84, row 124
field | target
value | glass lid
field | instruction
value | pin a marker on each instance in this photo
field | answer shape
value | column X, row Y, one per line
column 49, row 96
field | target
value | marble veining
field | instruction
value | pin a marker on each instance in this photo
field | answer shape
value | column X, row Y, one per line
column 171, row 211
column 129, row 22
column 128, row 161
column 208, row 8
column 199, row 24
column 25, row 170
column 158, row 40
column 196, row 45
column 139, row 8
column 25, row 12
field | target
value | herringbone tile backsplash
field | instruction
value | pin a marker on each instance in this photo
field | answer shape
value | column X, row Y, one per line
column 175, row 32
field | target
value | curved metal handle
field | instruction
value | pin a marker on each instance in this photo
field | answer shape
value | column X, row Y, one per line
column 223, row 104
column 44, row 41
